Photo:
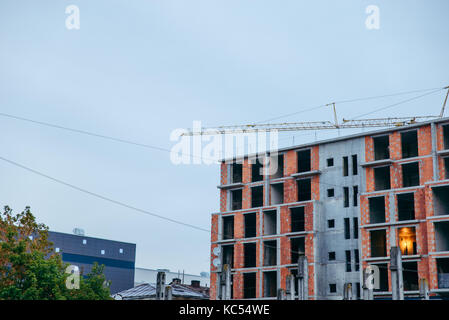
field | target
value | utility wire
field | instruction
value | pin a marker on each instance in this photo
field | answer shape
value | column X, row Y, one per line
column 132, row 207
column 101, row 196
column 93, row 134
column 52, row 125
column 349, row 101
column 398, row 103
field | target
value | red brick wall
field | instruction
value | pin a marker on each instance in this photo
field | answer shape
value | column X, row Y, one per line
column 424, row 141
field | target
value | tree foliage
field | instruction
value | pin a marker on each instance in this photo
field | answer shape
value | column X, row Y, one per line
column 31, row 270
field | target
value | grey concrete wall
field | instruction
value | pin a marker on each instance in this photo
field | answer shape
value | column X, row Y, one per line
column 333, row 239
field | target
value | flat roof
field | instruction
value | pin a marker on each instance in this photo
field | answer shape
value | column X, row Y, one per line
column 348, row 137
column 72, row 235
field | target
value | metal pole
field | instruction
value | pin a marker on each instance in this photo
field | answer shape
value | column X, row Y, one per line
column 444, row 103
column 223, row 282
column 367, row 287
column 228, row 282
column 347, row 291
column 168, row 293
column 424, row 289
column 397, row 282
column 160, row 286
column 281, row 294
column 290, row 287
column 303, row 278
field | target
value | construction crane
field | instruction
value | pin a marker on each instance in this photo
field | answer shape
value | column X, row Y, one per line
column 318, row 125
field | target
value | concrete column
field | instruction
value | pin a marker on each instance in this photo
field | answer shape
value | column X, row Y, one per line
column 436, row 172
column 397, row 282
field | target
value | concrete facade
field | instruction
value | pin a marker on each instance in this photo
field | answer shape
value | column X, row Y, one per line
column 356, row 197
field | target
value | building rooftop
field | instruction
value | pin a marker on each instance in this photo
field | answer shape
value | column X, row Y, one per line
column 148, row 291
column 347, row 137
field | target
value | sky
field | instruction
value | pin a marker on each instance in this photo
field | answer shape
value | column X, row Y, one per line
column 137, row 70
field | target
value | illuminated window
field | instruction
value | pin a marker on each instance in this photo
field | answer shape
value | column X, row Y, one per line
column 407, row 240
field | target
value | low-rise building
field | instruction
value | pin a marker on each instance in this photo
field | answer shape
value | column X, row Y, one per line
column 117, row 257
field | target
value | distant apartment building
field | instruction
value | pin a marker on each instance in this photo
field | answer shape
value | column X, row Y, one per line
column 342, row 203
column 117, row 257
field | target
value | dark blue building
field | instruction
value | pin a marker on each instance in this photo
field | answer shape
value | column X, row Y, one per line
column 118, row 257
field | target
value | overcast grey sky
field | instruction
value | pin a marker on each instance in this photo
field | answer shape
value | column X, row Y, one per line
column 139, row 69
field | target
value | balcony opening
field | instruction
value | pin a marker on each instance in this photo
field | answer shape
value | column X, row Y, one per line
column 297, row 249
column 381, row 148
column 383, row 277
column 441, row 200
column 355, row 227
column 249, row 251
column 442, row 236
column 382, row 178
column 354, row 165
column 345, row 166
column 304, row 189
column 378, row 243
column 228, row 255
column 446, row 137
column 355, row 196
column 346, row 197
column 443, row 273
column 278, row 164
column 409, row 144
column 256, row 197
column 269, row 222
column 277, row 193
column 410, row 276
column 446, row 168
column 270, row 253
column 407, row 240
column 228, row 228
column 256, row 170
column 249, row 285
column 410, row 174
column 347, row 229
column 376, row 210
column 236, row 199
column 304, row 161
column 356, row 260
column 250, row 225
column 406, row 206
column 297, row 219
column 270, row 284
column 236, row 172
column 348, row 261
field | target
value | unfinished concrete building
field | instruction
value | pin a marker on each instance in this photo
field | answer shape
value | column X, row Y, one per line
column 342, row 203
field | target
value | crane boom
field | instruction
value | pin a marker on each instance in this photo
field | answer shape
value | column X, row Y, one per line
column 317, row 125
column 314, row 125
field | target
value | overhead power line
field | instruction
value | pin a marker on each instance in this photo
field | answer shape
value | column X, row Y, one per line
column 89, row 133
column 122, row 204
column 102, row 197
column 398, row 103
column 349, row 101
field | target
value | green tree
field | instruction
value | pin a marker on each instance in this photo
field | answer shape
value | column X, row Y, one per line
column 31, row 270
